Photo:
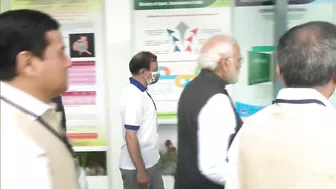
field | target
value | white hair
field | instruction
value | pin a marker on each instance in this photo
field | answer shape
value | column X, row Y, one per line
column 217, row 47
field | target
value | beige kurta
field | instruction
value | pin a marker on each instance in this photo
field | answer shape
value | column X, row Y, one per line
column 61, row 165
column 287, row 146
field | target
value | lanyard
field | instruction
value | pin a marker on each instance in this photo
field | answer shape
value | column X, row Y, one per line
column 302, row 101
column 62, row 138
column 151, row 99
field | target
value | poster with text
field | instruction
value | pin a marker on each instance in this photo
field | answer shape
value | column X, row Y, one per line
column 82, row 29
column 253, row 27
column 175, row 31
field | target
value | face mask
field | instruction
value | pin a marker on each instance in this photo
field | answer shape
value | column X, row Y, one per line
column 155, row 78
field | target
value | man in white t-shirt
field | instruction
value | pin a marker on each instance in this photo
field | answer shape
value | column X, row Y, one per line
column 140, row 154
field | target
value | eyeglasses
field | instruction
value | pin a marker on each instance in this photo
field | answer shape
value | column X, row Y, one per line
column 241, row 60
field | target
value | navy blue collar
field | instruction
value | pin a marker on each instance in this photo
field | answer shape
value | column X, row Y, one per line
column 300, row 101
column 137, row 84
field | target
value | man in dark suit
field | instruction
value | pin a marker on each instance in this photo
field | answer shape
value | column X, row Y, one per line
column 60, row 108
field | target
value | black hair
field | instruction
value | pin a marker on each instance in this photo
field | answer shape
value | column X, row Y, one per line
column 141, row 60
column 22, row 30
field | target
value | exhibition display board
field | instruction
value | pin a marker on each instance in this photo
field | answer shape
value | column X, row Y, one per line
column 82, row 29
column 175, row 31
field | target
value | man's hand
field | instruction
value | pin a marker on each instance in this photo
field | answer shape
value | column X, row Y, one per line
column 143, row 179
column 134, row 151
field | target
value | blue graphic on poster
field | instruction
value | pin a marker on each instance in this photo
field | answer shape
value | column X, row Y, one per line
column 180, row 41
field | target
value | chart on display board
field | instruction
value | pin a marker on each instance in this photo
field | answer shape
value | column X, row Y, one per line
column 175, row 32
column 82, row 28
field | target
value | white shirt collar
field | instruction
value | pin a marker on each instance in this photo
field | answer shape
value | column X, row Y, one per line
column 303, row 93
column 25, row 100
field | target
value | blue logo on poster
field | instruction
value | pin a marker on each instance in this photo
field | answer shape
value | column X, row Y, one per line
column 246, row 110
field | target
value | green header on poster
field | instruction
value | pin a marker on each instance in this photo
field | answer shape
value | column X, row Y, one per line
column 259, row 67
column 263, row 48
column 178, row 4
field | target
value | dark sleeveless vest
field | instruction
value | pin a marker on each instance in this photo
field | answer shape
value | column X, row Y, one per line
column 193, row 98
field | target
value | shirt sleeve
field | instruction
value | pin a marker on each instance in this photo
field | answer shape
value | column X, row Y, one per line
column 82, row 180
column 232, row 176
column 23, row 165
column 132, row 114
column 216, row 123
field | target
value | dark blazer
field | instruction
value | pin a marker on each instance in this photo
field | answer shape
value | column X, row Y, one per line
column 60, row 108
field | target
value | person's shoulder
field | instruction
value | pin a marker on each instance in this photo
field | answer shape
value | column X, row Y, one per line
column 9, row 120
column 219, row 97
column 131, row 90
column 260, row 115
column 271, row 113
column 131, row 95
column 218, row 100
column 327, row 115
column 190, row 88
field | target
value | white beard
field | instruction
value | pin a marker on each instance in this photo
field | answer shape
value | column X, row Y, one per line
column 233, row 78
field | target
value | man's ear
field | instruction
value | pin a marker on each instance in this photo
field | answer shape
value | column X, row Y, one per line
column 278, row 70
column 280, row 74
column 143, row 71
column 25, row 64
column 224, row 64
column 334, row 79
